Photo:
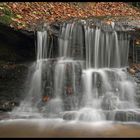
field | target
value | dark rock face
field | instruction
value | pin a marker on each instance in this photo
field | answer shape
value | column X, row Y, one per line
column 12, row 79
column 16, row 46
column 17, row 51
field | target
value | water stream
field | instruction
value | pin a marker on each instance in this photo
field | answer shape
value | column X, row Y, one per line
column 87, row 81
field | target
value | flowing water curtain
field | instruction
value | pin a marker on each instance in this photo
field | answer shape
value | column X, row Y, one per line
column 87, row 75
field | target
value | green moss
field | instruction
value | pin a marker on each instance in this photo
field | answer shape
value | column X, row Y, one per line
column 7, row 15
column 5, row 20
column 8, row 12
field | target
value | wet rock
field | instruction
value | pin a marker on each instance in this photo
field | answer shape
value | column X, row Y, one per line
column 8, row 105
column 12, row 80
column 132, row 71
column 127, row 116
column 55, row 28
column 138, row 99
column 120, row 115
column 4, row 115
column 138, row 75
column 70, row 115
column 123, row 115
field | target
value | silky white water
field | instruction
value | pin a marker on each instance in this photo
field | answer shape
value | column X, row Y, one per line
column 88, row 75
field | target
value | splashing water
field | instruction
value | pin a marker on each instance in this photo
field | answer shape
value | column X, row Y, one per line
column 88, row 75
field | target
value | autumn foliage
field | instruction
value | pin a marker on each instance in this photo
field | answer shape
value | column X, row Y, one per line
column 31, row 13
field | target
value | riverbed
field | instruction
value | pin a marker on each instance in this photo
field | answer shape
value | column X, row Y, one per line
column 59, row 128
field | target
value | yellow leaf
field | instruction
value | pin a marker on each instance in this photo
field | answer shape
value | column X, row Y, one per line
column 34, row 12
column 18, row 16
column 1, row 8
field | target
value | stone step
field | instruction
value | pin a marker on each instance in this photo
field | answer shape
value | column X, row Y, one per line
column 120, row 115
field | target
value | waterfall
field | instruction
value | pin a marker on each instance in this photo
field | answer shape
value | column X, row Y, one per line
column 88, row 75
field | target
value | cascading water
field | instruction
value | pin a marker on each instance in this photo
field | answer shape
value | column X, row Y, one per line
column 88, row 76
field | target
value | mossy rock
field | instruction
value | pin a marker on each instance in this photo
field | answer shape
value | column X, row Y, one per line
column 5, row 20
column 6, row 15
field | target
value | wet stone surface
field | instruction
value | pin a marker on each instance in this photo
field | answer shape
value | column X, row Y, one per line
column 12, row 79
column 122, row 116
